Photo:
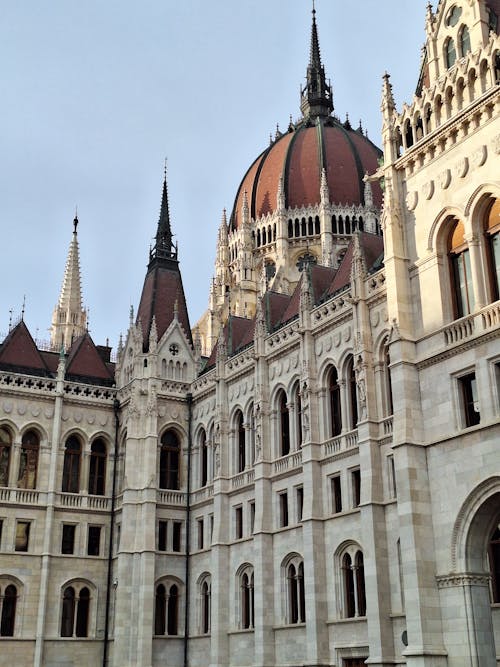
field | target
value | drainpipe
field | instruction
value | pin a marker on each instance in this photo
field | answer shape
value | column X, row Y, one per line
column 116, row 408
column 189, row 398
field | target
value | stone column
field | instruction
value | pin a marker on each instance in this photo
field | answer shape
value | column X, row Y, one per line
column 477, row 271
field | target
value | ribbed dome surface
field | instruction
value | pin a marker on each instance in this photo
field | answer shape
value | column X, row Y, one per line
column 299, row 156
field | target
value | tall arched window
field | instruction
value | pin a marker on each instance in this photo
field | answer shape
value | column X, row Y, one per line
column 335, row 406
column 353, row 395
column 75, row 613
column 8, row 603
column 389, row 407
column 205, row 606
column 247, row 598
column 298, row 415
column 71, row 468
column 492, row 232
column 97, row 468
column 464, row 41
column 296, row 604
column 5, row 447
column 203, row 458
column 461, row 276
column 169, row 461
column 28, row 460
column 450, row 53
column 353, row 582
column 167, row 609
column 240, row 442
column 284, row 424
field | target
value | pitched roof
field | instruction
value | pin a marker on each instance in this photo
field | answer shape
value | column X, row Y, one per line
column 85, row 361
column 19, row 352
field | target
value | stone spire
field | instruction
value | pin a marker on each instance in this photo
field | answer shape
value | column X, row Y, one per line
column 316, row 96
column 164, row 247
column 69, row 319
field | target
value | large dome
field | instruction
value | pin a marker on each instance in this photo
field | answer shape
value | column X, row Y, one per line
column 298, row 157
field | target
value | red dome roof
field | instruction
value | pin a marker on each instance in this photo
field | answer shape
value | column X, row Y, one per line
column 299, row 156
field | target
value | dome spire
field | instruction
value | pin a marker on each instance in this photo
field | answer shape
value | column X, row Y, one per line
column 316, row 96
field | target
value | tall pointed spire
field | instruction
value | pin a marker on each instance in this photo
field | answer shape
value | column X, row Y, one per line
column 69, row 320
column 316, row 96
column 164, row 247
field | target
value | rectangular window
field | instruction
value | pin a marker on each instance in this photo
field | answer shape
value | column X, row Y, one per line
column 336, row 494
column 22, row 535
column 299, row 491
column 68, row 539
column 176, row 535
column 94, row 541
column 391, row 473
column 162, row 535
column 469, row 398
column 238, row 522
column 118, row 536
column 211, row 528
column 1, row 531
column 283, row 499
column 252, row 517
column 356, row 487
column 200, row 533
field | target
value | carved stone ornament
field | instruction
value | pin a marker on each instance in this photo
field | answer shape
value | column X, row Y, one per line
column 496, row 144
column 478, row 157
column 428, row 189
column 463, row 579
column 444, row 179
column 461, row 167
column 412, row 200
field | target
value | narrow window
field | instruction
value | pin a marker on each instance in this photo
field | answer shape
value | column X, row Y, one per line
column 71, row 467
column 300, row 502
column 298, row 415
column 94, row 540
column 241, row 442
column 292, row 594
column 450, row 53
column 469, row 398
column 252, row 517
column 160, row 610
column 353, row 396
column 68, row 612
column 350, row 605
column 391, row 473
column 464, row 41
column 204, row 459
column 336, row 494
column 200, row 533
column 302, row 593
column 238, row 522
column 1, row 532
column 173, row 610
column 8, row 619
column 388, row 383
column 68, row 538
column 360, row 583
column 283, row 500
column 22, row 535
column 335, row 411
column 97, row 468
column 82, row 613
column 494, row 559
column 492, row 232
column 284, row 425
column 169, row 461
column 356, row 487
column 28, row 460
column 463, row 292
column 162, row 535
column 5, row 447
column 211, row 528
column 205, row 608
column 247, row 601
column 176, row 535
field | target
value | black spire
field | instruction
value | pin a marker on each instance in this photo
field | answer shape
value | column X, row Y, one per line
column 164, row 248
column 316, row 96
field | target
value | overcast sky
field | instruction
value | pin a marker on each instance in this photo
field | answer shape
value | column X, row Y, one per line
column 95, row 94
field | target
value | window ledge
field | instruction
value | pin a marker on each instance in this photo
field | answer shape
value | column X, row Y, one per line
column 241, row 631
column 289, row 626
column 340, row 621
column 167, row 637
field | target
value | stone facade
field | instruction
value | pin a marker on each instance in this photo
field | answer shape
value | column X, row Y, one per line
column 313, row 481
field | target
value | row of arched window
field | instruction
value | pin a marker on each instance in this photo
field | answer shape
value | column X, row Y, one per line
column 264, row 235
column 347, row 224
column 304, row 227
column 28, row 458
column 450, row 46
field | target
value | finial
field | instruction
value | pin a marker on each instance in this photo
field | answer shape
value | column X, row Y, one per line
column 131, row 314
column 10, row 319
column 165, row 170
column 23, row 308
column 314, row 9
column 87, row 325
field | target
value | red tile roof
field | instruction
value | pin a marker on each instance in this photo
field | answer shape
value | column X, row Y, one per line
column 19, row 351
column 85, row 361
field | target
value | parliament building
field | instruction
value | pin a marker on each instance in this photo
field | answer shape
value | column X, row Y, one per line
column 310, row 475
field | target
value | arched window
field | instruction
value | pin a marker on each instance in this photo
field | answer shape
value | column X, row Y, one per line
column 247, row 598
column 464, row 41
column 5, row 447
column 298, row 415
column 461, row 276
column 353, row 582
column 284, row 424
column 494, row 559
column 28, row 460
column 71, row 467
column 8, row 603
column 169, row 461
column 97, row 468
column 450, row 53
column 389, row 407
column 335, row 409
column 492, row 232
column 167, row 609
column 296, row 604
column 290, row 229
column 203, row 459
column 205, row 605
column 353, row 395
column 240, row 442
column 75, row 613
